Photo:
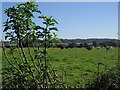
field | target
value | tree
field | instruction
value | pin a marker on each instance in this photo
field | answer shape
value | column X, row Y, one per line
column 47, row 37
column 20, row 23
column 32, row 71
column 95, row 44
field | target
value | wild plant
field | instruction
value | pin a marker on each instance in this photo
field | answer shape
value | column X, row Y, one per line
column 29, row 69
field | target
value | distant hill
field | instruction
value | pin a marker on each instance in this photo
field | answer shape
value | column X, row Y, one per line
column 89, row 40
column 98, row 41
column 0, row 44
column 102, row 42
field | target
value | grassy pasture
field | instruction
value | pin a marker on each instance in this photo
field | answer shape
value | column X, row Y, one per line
column 0, row 58
column 0, row 64
column 79, row 65
column 0, row 51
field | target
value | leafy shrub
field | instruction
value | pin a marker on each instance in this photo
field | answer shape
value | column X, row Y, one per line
column 107, row 81
column 29, row 70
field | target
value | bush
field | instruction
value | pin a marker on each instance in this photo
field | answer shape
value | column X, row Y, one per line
column 107, row 81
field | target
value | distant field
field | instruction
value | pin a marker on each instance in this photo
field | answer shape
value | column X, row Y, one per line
column 0, row 51
column 80, row 65
column 0, row 56
column 0, row 65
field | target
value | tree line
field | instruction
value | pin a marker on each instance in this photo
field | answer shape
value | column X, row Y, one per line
column 71, row 43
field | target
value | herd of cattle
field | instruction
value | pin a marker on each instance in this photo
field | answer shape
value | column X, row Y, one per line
column 106, row 47
column 88, row 47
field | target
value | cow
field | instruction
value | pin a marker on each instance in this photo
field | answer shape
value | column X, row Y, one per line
column 62, row 45
column 89, row 47
column 108, row 47
column 97, row 47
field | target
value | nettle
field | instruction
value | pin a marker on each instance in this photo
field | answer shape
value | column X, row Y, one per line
column 29, row 69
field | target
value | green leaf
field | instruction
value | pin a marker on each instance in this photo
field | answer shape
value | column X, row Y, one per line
column 11, row 21
column 53, row 20
column 52, row 24
column 55, row 35
column 53, row 28
column 6, row 28
column 50, row 17
column 38, row 27
column 33, row 32
column 42, row 16
column 6, row 37
column 45, row 23
column 57, row 39
column 38, row 11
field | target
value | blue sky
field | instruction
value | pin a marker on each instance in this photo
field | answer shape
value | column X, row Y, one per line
column 80, row 19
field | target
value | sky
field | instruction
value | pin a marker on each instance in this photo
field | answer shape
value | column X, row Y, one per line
column 79, row 19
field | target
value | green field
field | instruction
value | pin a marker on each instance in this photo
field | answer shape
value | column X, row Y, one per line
column 0, row 58
column 79, row 65
column 0, row 53
column 0, row 64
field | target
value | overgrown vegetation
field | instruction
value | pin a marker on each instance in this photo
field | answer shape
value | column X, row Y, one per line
column 107, row 80
column 32, row 71
column 39, row 67
column 79, row 67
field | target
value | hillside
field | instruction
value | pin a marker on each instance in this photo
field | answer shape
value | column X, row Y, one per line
column 89, row 40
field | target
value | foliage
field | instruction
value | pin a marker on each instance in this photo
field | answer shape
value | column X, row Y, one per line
column 19, row 23
column 95, row 44
column 28, row 70
column 107, row 80
column 95, row 41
